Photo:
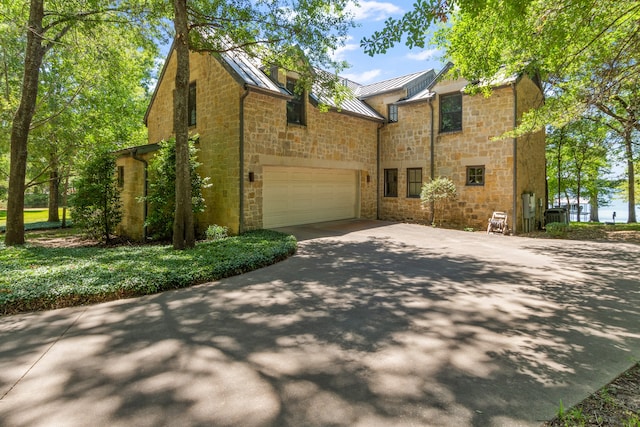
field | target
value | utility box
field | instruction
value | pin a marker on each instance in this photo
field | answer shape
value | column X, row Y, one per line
column 556, row 215
column 528, row 212
column 528, row 205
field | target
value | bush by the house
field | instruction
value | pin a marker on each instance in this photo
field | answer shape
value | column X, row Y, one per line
column 216, row 232
column 439, row 191
column 557, row 229
column 162, row 188
column 96, row 207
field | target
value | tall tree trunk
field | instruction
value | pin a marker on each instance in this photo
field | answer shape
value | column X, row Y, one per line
column 594, row 206
column 579, row 211
column 54, row 192
column 65, row 198
column 631, row 176
column 183, row 230
column 21, row 122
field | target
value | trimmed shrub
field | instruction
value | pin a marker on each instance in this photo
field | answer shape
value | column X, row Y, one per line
column 440, row 192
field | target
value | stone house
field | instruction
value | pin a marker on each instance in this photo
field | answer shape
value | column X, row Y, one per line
column 275, row 159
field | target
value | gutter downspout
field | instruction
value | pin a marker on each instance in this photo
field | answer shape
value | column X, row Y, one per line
column 241, row 160
column 378, row 149
column 432, row 147
column 145, row 192
column 515, row 161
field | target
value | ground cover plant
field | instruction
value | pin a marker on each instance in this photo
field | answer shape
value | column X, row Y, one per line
column 35, row 277
column 592, row 231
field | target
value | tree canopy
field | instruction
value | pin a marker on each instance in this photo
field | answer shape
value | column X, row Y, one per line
column 585, row 49
column 40, row 28
column 584, row 52
column 297, row 36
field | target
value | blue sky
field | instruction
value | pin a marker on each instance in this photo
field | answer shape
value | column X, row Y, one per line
column 370, row 16
column 400, row 60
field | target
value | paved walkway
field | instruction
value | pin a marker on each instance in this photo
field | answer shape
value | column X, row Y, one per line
column 369, row 324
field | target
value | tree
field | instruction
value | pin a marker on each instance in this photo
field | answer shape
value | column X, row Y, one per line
column 44, row 32
column 438, row 192
column 183, row 229
column 96, row 204
column 81, row 106
column 35, row 50
column 296, row 36
column 624, row 120
column 162, row 188
column 586, row 52
column 580, row 47
column 579, row 155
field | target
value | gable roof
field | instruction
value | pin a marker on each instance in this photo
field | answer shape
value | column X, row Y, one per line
column 408, row 81
column 247, row 71
column 250, row 73
column 427, row 93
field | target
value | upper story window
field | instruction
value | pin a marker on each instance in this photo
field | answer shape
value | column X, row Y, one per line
column 192, row 104
column 451, row 112
column 414, row 182
column 475, row 175
column 295, row 106
column 120, row 176
column 391, row 183
column 393, row 113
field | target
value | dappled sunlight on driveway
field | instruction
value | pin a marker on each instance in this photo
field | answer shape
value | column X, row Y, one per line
column 388, row 326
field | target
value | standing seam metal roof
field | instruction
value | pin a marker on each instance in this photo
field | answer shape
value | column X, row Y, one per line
column 388, row 85
column 251, row 74
column 245, row 67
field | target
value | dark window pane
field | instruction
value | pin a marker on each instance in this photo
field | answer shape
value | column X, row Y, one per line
column 295, row 107
column 391, row 182
column 451, row 112
column 414, row 182
column 393, row 113
column 475, row 175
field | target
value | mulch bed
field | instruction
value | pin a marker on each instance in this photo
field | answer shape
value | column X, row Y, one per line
column 616, row 404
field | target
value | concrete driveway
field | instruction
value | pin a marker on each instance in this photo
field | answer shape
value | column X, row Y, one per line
column 369, row 324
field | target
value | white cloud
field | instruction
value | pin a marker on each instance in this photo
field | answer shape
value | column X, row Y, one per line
column 363, row 78
column 339, row 53
column 373, row 10
column 424, row 55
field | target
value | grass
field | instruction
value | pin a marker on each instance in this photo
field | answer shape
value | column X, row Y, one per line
column 40, row 278
column 34, row 219
column 619, row 226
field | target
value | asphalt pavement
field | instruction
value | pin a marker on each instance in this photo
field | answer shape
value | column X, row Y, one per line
column 369, row 324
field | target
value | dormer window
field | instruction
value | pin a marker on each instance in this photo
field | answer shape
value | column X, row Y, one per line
column 295, row 106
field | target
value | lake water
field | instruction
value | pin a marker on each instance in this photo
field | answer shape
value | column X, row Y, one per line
column 620, row 207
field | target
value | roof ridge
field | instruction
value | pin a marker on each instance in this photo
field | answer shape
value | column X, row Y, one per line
column 397, row 78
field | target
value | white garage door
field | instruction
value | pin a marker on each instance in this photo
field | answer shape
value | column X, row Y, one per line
column 293, row 196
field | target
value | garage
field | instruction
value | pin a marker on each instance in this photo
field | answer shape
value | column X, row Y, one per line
column 293, row 196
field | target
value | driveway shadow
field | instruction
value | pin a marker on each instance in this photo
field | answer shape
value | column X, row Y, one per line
column 371, row 332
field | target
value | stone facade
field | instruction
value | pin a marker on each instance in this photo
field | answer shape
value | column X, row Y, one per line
column 234, row 120
column 243, row 128
column 407, row 144
column 329, row 140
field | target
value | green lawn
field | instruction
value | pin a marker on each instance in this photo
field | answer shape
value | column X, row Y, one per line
column 33, row 218
column 38, row 278
column 619, row 226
